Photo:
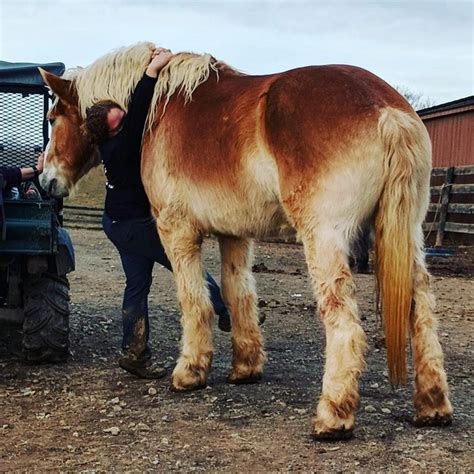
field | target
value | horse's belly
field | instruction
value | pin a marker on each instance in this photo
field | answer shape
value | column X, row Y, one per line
column 229, row 214
column 247, row 206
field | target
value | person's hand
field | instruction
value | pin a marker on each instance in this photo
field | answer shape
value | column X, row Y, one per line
column 40, row 162
column 159, row 59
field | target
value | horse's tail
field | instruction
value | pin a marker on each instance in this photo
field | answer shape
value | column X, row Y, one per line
column 402, row 206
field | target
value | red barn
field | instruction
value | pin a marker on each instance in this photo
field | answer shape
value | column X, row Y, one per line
column 451, row 128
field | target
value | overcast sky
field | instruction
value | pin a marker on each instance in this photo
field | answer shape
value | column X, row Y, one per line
column 426, row 46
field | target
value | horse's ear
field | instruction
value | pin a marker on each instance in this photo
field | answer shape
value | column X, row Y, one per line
column 60, row 87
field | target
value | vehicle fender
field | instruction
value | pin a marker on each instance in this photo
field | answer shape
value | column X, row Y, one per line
column 65, row 259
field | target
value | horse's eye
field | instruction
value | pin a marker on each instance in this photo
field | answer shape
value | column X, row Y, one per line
column 51, row 121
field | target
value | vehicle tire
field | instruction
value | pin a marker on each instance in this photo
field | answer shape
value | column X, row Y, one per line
column 46, row 323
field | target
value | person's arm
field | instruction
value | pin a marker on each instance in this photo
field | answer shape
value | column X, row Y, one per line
column 11, row 175
column 28, row 174
column 14, row 176
column 135, row 119
column 141, row 99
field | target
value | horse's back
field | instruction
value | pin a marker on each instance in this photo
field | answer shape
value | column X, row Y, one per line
column 302, row 114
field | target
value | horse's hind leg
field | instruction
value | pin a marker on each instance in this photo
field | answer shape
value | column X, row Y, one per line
column 238, row 288
column 182, row 242
column 431, row 389
column 326, row 249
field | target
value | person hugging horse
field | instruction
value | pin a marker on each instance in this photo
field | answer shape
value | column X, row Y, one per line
column 127, row 219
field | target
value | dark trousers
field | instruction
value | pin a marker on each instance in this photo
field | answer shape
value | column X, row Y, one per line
column 139, row 246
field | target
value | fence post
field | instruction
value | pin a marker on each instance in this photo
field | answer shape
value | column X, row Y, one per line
column 444, row 203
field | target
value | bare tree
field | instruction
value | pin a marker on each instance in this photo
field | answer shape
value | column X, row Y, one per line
column 417, row 100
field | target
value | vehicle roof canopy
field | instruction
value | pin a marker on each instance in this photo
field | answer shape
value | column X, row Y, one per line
column 27, row 74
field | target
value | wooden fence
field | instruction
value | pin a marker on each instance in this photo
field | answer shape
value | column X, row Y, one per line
column 82, row 217
column 451, row 212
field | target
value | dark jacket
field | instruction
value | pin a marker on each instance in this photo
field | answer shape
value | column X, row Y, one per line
column 11, row 176
column 121, row 156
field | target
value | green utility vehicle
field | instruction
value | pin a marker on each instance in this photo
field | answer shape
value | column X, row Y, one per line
column 36, row 253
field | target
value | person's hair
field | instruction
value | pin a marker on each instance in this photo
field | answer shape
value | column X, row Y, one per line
column 95, row 123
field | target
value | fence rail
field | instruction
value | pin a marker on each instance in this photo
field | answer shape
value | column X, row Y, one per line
column 460, row 171
column 444, row 215
column 455, row 189
column 82, row 217
column 454, row 208
column 452, row 202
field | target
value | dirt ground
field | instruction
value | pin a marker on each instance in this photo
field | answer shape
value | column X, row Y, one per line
column 89, row 415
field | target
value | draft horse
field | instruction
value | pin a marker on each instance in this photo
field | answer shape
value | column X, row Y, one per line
column 323, row 148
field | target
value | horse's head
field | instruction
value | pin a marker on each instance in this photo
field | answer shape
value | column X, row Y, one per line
column 69, row 154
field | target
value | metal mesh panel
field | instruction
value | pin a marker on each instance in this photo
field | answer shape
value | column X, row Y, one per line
column 21, row 128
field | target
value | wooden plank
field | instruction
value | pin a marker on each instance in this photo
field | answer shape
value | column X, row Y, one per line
column 82, row 213
column 462, row 170
column 461, row 208
column 458, row 171
column 443, row 208
column 459, row 228
column 462, row 188
column 86, row 227
column 82, row 221
column 455, row 189
column 439, row 171
column 84, row 208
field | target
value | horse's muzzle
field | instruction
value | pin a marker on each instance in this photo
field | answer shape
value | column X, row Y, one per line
column 52, row 185
column 55, row 190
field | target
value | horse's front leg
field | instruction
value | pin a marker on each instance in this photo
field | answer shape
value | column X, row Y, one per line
column 182, row 242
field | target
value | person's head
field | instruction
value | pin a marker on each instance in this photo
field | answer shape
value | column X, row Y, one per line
column 103, row 120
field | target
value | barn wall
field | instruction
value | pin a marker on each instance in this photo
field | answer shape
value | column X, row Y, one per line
column 452, row 137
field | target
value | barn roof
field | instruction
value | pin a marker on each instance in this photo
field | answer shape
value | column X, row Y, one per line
column 448, row 108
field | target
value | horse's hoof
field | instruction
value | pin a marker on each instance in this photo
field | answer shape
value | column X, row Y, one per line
column 191, row 388
column 437, row 420
column 252, row 378
column 341, row 434
column 190, row 376
column 188, row 381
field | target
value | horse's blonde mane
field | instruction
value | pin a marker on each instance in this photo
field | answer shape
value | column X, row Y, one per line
column 115, row 75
